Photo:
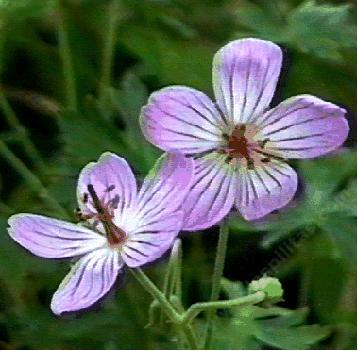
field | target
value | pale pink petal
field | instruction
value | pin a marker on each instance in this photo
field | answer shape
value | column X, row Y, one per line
column 184, row 119
column 212, row 193
column 113, row 182
column 155, row 221
column 265, row 189
column 304, row 127
column 52, row 238
column 245, row 74
column 89, row 279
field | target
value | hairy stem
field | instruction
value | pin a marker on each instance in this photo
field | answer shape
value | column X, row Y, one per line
column 217, row 275
column 174, row 316
column 195, row 309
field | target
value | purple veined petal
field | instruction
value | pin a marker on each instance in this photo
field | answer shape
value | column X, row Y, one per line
column 155, row 221
column 181, row 118
column 52, row 238
column 151, row 239
column 245, row 74
column 304, row 127
column 113, row 182
column 89, row 279
column 212, row 193
column 265, row 189
column 164, row 188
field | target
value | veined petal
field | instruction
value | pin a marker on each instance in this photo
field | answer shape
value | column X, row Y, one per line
column 265, row 189
column 156, row 220
column 89, row 279
column 113, row 182
column 151, row 239
column 245, row 74
column 165, row 187
column 52, row 238
column 181, row 118
column 304, row 127
column 212, row 193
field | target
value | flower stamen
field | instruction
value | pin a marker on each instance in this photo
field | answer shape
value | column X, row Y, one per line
column 115, row 236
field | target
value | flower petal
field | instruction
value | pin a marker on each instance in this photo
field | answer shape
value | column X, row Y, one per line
column 89, row 279
column 245, row 74
column 212, row 193
column 151, row 239
column 52, row 238
column 304, row 127
column 265, row 189
column 156, row 219
column 181, row 118
column 113, row 182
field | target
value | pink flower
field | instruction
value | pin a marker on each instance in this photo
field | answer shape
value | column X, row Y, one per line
column 239, row 145
column 123, row 227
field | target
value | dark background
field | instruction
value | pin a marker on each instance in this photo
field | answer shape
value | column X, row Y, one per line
column 310, row 246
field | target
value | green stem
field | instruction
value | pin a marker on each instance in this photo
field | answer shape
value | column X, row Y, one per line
column 190, row 336
column 195, row 309
column 178, row 270
column 149, row 286
column 65, row 52
column 108, row 49
column 175, row 317
column 31, row 180
column 172, row 278
column 217, row 275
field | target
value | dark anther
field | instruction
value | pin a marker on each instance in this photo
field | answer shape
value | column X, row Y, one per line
column 228, row 159
column 111, row 187
column 78, row 213
column 265, row 159
column 263, row 142
column 250, row 164
column 226, row 136
column 85, row 198
column 115, row 202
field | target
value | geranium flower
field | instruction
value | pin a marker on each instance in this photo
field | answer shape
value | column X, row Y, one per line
column 122, row 227
column 240, row 146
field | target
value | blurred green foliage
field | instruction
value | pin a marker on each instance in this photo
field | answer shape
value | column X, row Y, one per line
column 157, row 43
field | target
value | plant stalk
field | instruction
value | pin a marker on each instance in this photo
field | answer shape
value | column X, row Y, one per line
column 174, row 316
column 217, row 275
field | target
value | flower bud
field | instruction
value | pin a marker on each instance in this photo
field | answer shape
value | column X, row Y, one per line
column 270, row 286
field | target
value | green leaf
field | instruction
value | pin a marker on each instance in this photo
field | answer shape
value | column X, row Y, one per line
column 333, row 29
column 22, row 9
column 342, row 231
column 258, row 327
column 333, row 25
column 293, row 338
column 320, row 200
column 233, row 289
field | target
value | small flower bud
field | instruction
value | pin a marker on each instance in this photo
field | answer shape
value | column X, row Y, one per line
column 270, row 286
